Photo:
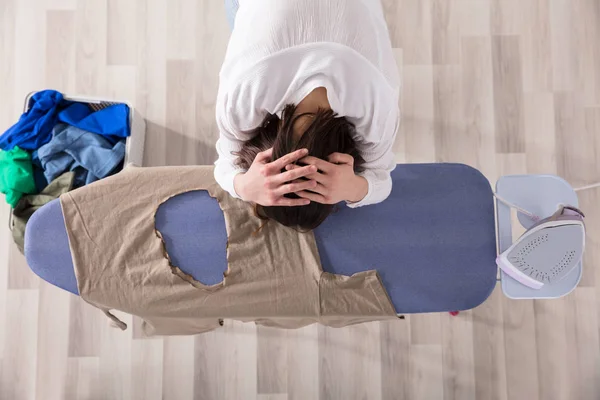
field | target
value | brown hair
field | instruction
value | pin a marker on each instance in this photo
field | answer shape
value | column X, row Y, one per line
column 326, row 134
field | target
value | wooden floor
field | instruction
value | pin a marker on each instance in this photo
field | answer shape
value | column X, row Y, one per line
column 508, row 86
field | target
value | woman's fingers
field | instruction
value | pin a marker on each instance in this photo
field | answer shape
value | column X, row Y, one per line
column 317, row 198
column 285, row 202
column 296, row 186
column 321, row 164
column 264, row 156
column 340, row 158
column 276, row 166
column 320, row 189
column 292, row 175
column 314, row 176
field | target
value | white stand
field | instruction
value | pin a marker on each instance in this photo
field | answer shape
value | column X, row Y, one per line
column 541, row 195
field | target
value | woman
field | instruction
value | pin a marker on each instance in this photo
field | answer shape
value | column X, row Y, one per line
column 307, row 107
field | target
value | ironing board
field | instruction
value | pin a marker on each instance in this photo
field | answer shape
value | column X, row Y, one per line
column 433, row 240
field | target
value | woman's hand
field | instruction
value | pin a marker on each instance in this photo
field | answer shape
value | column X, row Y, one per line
column 265, row 184
column 336, row 180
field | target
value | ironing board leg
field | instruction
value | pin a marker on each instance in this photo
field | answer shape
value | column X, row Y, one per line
column 453, row 313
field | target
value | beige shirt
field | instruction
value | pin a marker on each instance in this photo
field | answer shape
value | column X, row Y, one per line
column 274, row 274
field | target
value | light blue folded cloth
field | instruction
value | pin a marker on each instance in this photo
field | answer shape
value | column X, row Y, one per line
column 91, row 156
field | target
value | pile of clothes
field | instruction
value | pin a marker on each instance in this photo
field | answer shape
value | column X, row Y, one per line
column 56, row 146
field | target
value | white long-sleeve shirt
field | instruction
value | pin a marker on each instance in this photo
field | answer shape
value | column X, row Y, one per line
column 281, row 50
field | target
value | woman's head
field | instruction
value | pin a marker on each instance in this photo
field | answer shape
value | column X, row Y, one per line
column 322, row 133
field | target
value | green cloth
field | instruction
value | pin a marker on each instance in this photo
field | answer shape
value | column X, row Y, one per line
column 30, row 203
column 16, row 175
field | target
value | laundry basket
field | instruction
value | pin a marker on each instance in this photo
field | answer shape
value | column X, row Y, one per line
column 134, row 143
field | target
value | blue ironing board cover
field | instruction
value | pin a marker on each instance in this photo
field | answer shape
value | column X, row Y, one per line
column 433, row 240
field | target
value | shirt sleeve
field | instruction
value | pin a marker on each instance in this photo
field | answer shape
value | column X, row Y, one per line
column 379, row 163
column 227, row 144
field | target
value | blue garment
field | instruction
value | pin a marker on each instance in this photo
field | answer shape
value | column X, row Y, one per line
column 48, row 107
column 90, row 156
column 35, row 126
column 231, row 9
column 38, row 173
column 111, row 122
